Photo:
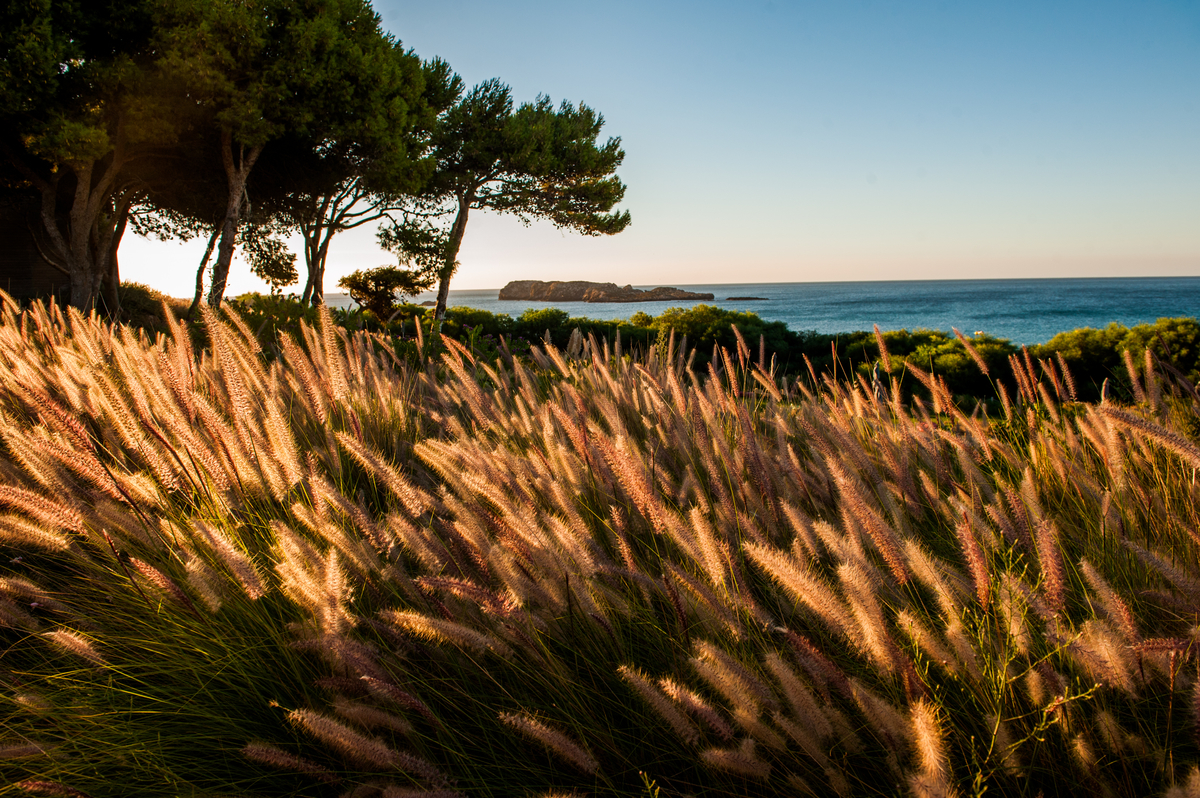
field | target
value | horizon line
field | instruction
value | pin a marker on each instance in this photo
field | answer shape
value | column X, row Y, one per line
column 835, row 282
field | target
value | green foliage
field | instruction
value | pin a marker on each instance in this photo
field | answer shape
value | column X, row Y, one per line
column 142, row 307
column 536, row 162
column 933, row 351
column 556, row 169
column 75, row 72
column 376, row 289
column 320, row 82
column 705, row 325
column 275, row 67
column 460, row 319
column 1098, row 355
column 418, row 246
column 269, row 257
column 211, row 90
column 537, row 320
column 270, row 315
column 641, row 319
column 1092, row 355
column 370, row 179
column 81, row 99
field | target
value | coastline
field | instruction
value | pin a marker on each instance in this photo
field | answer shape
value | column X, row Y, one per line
column 1025, row 311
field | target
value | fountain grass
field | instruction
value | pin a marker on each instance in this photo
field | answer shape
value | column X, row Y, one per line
column 342, row 572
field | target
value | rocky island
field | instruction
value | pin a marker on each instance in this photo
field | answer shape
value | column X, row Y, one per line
column 584, row 291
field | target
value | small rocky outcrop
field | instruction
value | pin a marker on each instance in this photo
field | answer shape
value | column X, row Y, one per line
column 746, row 299
column 584, row 291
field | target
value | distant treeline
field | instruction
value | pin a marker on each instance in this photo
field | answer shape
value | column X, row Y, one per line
column 1091, row 355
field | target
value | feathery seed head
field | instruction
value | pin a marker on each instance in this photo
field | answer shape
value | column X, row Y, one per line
column 76, row 644
column 553, row 739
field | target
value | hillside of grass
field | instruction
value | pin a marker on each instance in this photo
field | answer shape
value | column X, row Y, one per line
column 333, row 564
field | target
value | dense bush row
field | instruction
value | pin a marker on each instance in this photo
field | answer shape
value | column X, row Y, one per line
column 1092, row 356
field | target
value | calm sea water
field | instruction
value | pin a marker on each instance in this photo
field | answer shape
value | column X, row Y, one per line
column 1024, row 311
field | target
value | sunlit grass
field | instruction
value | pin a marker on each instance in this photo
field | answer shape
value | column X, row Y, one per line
column 335, row 572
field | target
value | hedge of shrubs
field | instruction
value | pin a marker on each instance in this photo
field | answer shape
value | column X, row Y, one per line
column 1092, row 355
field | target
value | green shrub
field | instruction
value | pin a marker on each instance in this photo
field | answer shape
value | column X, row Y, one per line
column 376, row 289
column 536, row 321
column 1098, row 355
column 1092, row 355
column 270, row 315
column 142, row 307
column 482, row 322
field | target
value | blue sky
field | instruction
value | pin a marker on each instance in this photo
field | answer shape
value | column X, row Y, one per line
column 796, row 141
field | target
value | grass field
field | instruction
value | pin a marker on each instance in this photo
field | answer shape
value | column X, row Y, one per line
column 334, row 572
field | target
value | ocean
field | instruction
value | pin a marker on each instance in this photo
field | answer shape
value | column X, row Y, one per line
column 1024, row 311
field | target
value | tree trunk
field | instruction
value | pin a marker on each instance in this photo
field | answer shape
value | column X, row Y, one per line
column 229, row 228
column 316, row 250
column 451, row 264
column 330, row 218
column 212, row 242
column 318, row 275
column 312, row 244
column 71, row 241
column 236, row 175
column 308, row 283
column 90, row 237
column 110, row 243
column 80, row 256
column 112, row 288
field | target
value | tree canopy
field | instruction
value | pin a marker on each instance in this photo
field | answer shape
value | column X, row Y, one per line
column 183, row 118
column 81, row 100
column 376, row 289
column 263, row 70
column 372, row 180
column 535, row 162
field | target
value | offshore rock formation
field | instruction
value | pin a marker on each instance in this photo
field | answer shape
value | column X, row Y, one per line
column 584, row 291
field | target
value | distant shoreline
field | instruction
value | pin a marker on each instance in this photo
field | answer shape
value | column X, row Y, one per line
column 1026, row 311
column 943, row 280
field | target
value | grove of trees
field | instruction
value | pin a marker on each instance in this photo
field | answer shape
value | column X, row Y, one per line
column 244, row 121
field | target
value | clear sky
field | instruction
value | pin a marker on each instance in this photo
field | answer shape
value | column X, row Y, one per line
column 808, row 141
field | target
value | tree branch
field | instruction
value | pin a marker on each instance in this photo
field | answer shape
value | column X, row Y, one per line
column 47, row 257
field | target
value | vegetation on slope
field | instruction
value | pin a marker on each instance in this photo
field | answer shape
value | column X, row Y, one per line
column 1092, row 356
column 342, row 572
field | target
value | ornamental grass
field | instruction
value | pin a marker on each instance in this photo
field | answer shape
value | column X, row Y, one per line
column 339, row 572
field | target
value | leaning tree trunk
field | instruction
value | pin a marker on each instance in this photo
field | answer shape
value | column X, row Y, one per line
column 451, row 263
column 208, row 251
column 310, row 258
column 108, row 242
column 236, row 175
